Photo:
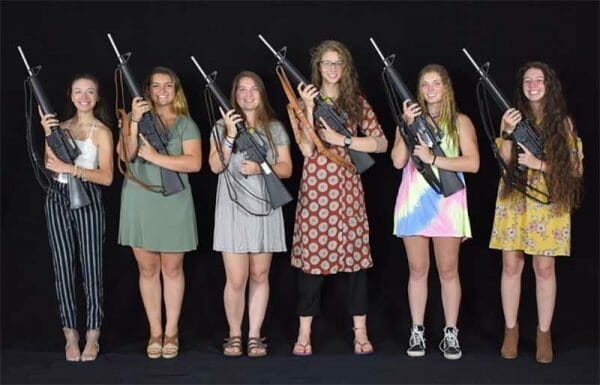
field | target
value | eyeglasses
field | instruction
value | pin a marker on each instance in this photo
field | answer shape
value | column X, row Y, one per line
column 330, row 64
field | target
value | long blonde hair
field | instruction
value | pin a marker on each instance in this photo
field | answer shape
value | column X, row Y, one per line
column 180, row 104
column 448, row 112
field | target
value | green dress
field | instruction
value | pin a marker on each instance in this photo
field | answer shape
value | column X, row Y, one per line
column 150, row 220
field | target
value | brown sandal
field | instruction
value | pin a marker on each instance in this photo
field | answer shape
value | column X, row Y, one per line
column 170, row 347
column 232, row 346
column 257, row 347
column 154, row 348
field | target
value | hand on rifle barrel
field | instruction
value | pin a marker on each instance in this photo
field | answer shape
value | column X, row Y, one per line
column 330, row 135
column 48, row 120
column 510, row 119
column 146, row 151
column 410, row 112
column 231, row 118
column 423, row 152
column 139, row 107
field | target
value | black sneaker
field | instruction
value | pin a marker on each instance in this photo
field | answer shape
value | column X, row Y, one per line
column 449, row 344
column 416, row 342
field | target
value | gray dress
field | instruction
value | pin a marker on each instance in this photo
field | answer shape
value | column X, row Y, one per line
column 238, row 228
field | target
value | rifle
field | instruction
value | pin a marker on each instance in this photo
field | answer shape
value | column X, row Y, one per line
column 336, row 120
column 448, row 182
column 60, row 141
column 245, row 142
column 148, row 126
column 526, row 133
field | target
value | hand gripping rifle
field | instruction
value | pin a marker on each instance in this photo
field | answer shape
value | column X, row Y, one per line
column 245, row 142
column 335, row 119
column 60, row 141
column 448, row 182
column 148, row 126
column 525, row 133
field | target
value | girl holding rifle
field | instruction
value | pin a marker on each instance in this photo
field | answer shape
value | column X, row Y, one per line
column 331, row 233
column 160, row 229
column 247, row 231
column 525, row 226
column 83, row 228
column 422, row 214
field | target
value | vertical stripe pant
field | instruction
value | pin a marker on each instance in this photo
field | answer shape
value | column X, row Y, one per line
column 309, row 292
column 73, row 232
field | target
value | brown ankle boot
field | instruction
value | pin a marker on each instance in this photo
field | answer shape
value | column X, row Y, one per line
column 510, row 344
column 543, row 344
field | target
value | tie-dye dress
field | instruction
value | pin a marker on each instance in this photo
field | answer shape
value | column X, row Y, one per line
column 419, row 210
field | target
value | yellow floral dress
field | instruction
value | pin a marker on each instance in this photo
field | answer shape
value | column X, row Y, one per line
column 521, row 223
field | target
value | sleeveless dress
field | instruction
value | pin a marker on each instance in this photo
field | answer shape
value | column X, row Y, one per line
column 89, row 154
column 521, row 223
column 150, row 220
column 419, row 210
column 237, row 228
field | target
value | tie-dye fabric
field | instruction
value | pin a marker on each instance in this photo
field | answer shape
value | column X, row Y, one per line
column 419, row 210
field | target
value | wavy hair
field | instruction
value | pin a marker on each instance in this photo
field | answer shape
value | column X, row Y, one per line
column 448, row 112
column 349, row 99
column 180, row 104
column 101, row 111
column 563, row 178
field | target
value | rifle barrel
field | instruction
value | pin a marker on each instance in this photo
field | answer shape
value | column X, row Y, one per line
column 112, row 42
column 378, row 50
column 473, row 62
column 25, row 60
column 269, row 46
column 199, row 68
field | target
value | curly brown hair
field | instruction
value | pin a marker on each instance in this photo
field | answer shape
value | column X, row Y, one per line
column 349, row 99
column 563, row 179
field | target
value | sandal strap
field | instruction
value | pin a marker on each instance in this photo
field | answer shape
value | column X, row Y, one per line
column 256, row 343
column 171, row 340
column 233, row 342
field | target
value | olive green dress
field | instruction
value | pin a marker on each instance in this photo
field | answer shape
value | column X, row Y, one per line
column 150, row 220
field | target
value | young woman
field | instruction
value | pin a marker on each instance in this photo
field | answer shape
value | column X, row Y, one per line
column 247, row 231
column 160, row 229
column 331, row 233
column 80, row 229
column 421, row 214
column 525, row 226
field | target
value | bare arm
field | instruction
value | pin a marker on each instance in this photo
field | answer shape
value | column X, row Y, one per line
column 189, row 161
column 104, row 173
column 468, row 161
column 400, row 152
column 283, row 167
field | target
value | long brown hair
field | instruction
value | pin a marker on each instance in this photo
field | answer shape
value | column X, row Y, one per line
column 180, row 104
column 349, row 98
column 100, row 109
column 563, row 179
column 448, row 112
column 265, row 112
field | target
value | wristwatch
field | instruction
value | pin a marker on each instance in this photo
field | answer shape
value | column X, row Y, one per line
column 347, row 141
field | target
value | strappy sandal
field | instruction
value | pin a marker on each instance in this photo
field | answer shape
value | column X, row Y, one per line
column 72, row 340
column 154, row 348
column 170, row 347
column 305, row 349
column 256, row 347
column 92, row 347
column 232, row 346
column 361, row 345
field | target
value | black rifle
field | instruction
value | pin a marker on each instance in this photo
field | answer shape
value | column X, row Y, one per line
column 60, row 141
column 335, row 119
column 245, row 142
column 448, row 182
column 148, row 126
column 526, row 133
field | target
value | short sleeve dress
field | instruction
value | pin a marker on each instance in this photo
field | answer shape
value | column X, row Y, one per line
column 420, row 210
column 150, row 220
column 244, row 221
column 331, row 232
column 522, row 223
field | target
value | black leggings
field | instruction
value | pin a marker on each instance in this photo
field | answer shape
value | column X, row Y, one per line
column 309, row 292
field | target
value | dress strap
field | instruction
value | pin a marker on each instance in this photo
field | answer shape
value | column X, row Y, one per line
column 92, row 129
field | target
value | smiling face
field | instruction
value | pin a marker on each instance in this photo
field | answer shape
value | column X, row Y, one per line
column 84, row 94
column 162, row 89
column 331, row 67
column 247, row 94
column 432, row 87
column 534, row 87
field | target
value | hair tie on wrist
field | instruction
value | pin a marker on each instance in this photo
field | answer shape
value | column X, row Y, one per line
column 434, row 159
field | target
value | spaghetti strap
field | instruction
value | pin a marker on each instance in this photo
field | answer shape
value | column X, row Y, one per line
column 92, row 130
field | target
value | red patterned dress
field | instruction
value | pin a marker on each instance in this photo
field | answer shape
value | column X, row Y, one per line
column 331, row 232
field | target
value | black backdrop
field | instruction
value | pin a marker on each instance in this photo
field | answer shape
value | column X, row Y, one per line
column 70, row 37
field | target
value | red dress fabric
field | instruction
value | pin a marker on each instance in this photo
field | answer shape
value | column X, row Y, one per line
column 331, row 231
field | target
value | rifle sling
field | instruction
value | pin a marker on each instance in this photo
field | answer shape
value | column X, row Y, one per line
column 301, row 124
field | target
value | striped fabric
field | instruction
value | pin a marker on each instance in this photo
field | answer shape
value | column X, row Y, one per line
column 72, row 232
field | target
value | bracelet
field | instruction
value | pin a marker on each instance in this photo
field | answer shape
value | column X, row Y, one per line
column 541, row 165
column 230, row 137
column 434, row 159
column 227, row 143
column 135, row 121
column 83, row 173
column 75, row 171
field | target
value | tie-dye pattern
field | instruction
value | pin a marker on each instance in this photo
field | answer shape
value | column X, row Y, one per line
column 419, row 210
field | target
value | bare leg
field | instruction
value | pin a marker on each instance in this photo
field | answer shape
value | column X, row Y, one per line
column 258, row 291
column 545, row 290
column 236, row 271
column 510, row 285
column 174, row 287
column 150, row 287
column 417, row 251
column 446, row 257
